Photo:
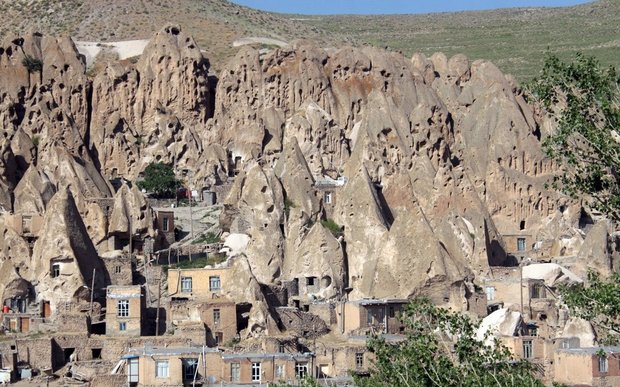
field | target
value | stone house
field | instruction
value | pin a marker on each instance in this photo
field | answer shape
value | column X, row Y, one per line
column 363, row 317
column 119, row 267
column 197, row 283
column 165, row 226
column 125, row 307
column 182, row 366
column 220, row 318
column 587, row 366
column 264, row 368
column 172, row 366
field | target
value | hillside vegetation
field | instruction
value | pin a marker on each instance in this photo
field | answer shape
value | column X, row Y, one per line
column 514, row 39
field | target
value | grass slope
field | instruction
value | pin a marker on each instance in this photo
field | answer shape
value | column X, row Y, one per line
column 514, row 39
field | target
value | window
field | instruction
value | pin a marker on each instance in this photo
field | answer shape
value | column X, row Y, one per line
column 186, row 284
column 256, row 372
column 527, row 349
column 280, row 371
column 216, row 316
column 538, row 291
column 190, row 366
column 392, row 312
column 55, row 270
column 603, row 364
column 375, row 316
column 301, row 370
column 161, row 369
column 122, row 308
column 310, row 281
column 328, row 198
column 122, row 326
column 565, row 344
column 281, row 348
column 165, row 224
column 521, row 244
column 214, row 283
column 359, row 360
column 532, row 330
column 490, row 291
column 219, row 338
column 235, row 372
column 117, row 269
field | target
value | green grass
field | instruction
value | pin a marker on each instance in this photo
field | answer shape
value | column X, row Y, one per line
column 514, row 39
column 198, row 263
column 207, row 238
column 333, row 227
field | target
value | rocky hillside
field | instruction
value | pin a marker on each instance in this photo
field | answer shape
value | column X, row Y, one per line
column 215, row 24
column 380, row 175
column 514, row 39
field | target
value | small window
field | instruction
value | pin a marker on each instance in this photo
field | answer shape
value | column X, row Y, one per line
column 359, row 360
column 186, row 284
column 281, row 348
column 565, row 344
column 55, row 270
column 214, row 283
column 392, row 312
column 165, row 224
column 521, row 244
column 279, row 371
column 310, row 281
column 190, row 366
column 490, row 291
column 301, row 370
column 122, row 326
column 522, row 225
column 219, row 338
column 235, row 372
column 216, row 316
column 122, row 308
column 528, row 352
column 161, row 369
column 603, row 364
column 256, row 372
column 328, row 198
column 538, row 291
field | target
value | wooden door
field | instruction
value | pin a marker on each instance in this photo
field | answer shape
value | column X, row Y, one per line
column 47, row 309
column 25, row 324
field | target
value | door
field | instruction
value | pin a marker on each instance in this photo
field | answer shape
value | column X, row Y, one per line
column 47, row 309
column 25, row 324
column 132, row 374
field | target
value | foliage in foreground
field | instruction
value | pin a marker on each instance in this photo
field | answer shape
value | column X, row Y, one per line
column 427, row 357
column 584, row 100
column 598, row 303
column 159, row 180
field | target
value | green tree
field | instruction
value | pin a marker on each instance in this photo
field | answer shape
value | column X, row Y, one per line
column 32, row 64
column 597, row 301
column 584, row 101
column 159, row 180
column 441, row 349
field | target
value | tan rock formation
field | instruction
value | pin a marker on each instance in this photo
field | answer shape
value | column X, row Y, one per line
column 153, row 111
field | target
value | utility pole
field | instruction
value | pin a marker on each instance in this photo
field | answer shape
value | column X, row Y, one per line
column 92, row 292
column 521, row 285
column 158, row 306
column 191, row 222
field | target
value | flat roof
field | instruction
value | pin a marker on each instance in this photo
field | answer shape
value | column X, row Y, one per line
column 265, row 355
column 154, row 351
column 380, row 301
column 590, row 350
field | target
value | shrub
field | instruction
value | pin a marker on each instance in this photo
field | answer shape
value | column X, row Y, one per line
column 333, row 227
column 32, row 64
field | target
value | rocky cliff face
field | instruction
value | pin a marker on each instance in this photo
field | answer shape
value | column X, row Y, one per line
column 373, row 174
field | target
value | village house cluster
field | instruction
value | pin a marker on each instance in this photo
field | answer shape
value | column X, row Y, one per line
column 146, row 321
